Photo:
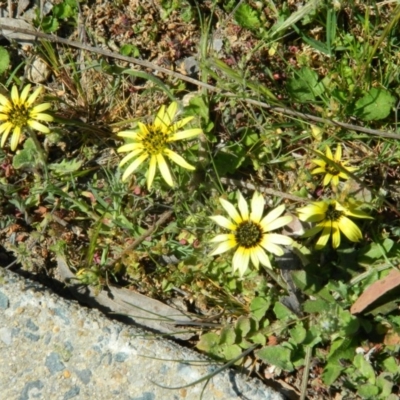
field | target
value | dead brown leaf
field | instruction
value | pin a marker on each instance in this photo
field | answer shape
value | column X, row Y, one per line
column 375, row 291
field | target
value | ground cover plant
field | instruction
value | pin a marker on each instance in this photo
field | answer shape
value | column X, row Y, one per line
column 244, row 164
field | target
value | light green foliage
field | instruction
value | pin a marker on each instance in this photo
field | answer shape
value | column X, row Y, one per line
column 4, row 60
column 62, row 13
column 247, row 17
column 28, row 157
column 284, row 76
column 304, row 85
column 374, row 105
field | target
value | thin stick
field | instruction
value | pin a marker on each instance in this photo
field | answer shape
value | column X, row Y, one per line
column 136, row 242
column 154, row 67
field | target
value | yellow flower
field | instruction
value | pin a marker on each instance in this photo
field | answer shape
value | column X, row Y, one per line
column 331, row 218
column 152, row 141
column 18, row 112
column 250, row 232
column 332, row 173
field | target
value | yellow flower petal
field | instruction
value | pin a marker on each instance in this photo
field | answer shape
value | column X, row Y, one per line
column 152, row 171
column 257, row 207
column 38, row 126
column 170, row 114
column 178, row 159
column 185, row 134
column 241, row 260
column 15, row 95
column 271, row 216
column 349, row 229
column 24, row 95
column 41, row 107
column 223, row 247
column 130, row 147
column 128, row 134
column 338, row 153
column 180, row 124
column 159, row 122
column 243, row 208
column 132, row 167
column 231, row 210
column 130, row 156
column 15, row 138
column 224, row 222
column 164, row 169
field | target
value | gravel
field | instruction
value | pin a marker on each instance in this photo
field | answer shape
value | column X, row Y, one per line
column 52, row 348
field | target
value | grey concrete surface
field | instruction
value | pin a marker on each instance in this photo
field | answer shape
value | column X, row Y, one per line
column 52, row 348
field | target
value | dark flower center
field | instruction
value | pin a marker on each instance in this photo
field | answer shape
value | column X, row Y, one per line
column 248, row 234
column 332, row 214
column 19, row 115
column 154, row 142
column 330, row 169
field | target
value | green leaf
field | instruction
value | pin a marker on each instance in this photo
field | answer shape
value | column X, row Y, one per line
column 197, row 106
column 4, row 59
column 228, row 160
column 375, row 105
column 259, row 306
column 27, row 157
column 276, row 355
column 391, row 365
column 376, row 250
column 50, row 24
column 231, row 351
column 304, row 85
column 298, row 334
column 63, row 11
column 385, row 384
column 368, row 391
column 258, row 338
column 208, row 341
column 66, row 167
column 228, row 336
column 247, row 17
column 316, row 306
column 331, row 372
column 129, row 50
column 243, row 326
column 282, row 312
column 341, row 348
column 364, row 368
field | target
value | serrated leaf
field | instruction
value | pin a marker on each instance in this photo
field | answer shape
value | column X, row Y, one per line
column 247, row 17
column 375, row 105
column 4, row 60
column 364, row 368
column 331, row 373
column 304, row 86
column 27, row 157
column 66, row 167
column 276, row 355
column 259, row 306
